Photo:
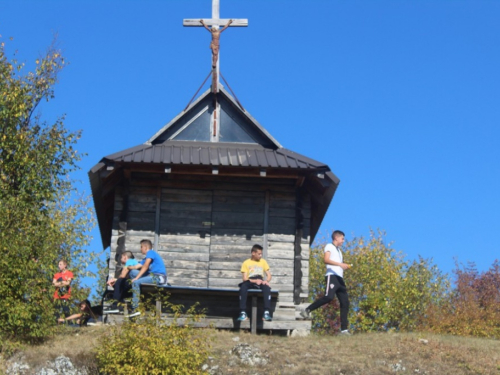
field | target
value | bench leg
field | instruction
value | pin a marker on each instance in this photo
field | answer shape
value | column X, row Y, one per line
column 254, row 315
column 158, row 311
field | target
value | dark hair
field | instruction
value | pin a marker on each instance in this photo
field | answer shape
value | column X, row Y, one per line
column 64, row 261
column 88, row 314
column 337, row 233
column 256, row 247
column 148, row 242
column 128, row 254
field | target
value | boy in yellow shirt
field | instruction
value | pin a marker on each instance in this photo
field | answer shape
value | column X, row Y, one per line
column 256, row 275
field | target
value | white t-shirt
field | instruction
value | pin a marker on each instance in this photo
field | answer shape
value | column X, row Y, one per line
column 336, row 256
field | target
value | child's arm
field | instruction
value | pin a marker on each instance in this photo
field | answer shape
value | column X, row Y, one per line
column 71, row 317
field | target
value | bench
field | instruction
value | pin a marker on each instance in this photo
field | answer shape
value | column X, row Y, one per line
column 216, row 301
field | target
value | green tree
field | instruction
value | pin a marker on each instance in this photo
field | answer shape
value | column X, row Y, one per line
column 385, row 291
column 41, row 220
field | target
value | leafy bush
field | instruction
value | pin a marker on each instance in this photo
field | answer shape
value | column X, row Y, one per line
column 153, row 346
column 385, row 291
column 473, row 308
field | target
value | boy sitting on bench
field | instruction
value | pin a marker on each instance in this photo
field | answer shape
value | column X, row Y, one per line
column 256, row 275
column 122, row 285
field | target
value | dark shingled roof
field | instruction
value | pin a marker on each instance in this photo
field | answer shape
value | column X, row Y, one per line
column 215, row 154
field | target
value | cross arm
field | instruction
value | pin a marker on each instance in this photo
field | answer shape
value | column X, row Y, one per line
column 217, row 22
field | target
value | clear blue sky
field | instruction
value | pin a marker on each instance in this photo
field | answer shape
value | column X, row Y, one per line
column 400, row 98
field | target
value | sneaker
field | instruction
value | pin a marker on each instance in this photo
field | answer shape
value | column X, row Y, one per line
column 305, row 314
column 133, row 313
column 243, row 316
column 113, row 309
column 345, row 332
column 267, row 317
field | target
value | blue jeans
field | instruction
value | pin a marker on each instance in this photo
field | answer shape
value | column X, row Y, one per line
column 136, row 285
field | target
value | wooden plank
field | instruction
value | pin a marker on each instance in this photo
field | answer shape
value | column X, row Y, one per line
column 251, row 234
column 228, row 257
column 226, row 283
column 185, row 264
column 197, row 216
column 289, row 246
column 275, row 263
column 229, row 274
column 243, row 247
column 278, row 237
column 239, row 240
column 235, row 196
column 142, row 190
column 282, row 212
column 183, row 273
column 281, row 271
column 142, row 221
column 192, row 257
column 137, row 206
column 176, row 248
column 188, row 239
column 186, row 197
column 187, row 281
column 281, row 254
column 226, row 266
column 238, row 220
column 133, row 233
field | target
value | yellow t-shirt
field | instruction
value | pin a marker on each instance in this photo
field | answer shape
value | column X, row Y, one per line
column 254, row 269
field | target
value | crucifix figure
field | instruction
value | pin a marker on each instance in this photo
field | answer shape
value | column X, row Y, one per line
column 215, row 44
column 212, row 25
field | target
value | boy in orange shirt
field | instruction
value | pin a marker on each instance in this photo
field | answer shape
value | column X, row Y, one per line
column 62, row 294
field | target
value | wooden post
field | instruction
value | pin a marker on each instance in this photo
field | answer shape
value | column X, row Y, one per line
column 266, row 225
column 253, row 328
column 158, row 311
column 297, row 262
column 157, row 219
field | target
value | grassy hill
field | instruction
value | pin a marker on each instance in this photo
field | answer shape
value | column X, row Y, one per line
column 372, row 353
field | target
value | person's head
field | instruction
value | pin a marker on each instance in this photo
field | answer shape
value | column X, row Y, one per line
column 85, row 305
column 338, row 237
column 146, row 245
column 256, row 252
column 62, row 264
column 126, row 256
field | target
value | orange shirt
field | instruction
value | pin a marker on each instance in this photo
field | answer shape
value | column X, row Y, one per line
column 63, row 292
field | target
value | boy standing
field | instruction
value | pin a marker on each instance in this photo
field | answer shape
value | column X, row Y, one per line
column 256, row 275
column 121, row 285
column 62, row 294
column 334, row 280
column 150, row 270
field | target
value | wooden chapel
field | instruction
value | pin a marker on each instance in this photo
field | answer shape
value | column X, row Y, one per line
column 208, row 186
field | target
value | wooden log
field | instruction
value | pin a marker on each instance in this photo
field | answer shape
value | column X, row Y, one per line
column 186, row 265
column 179, row 281
column 186, row 239
column 192, row 257
column 228, row 257
column 275, row 246
column 229, row 274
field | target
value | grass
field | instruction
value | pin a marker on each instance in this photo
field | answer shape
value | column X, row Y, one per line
column 370, row 353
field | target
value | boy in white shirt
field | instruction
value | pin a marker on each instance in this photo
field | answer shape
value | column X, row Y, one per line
column 334, row 278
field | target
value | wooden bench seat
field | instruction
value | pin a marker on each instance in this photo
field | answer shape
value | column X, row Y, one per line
column 216, row 302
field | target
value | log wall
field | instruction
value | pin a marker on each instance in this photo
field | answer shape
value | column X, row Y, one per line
column 208, row 225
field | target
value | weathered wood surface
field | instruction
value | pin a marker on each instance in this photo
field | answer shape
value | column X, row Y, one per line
column 208, row 225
